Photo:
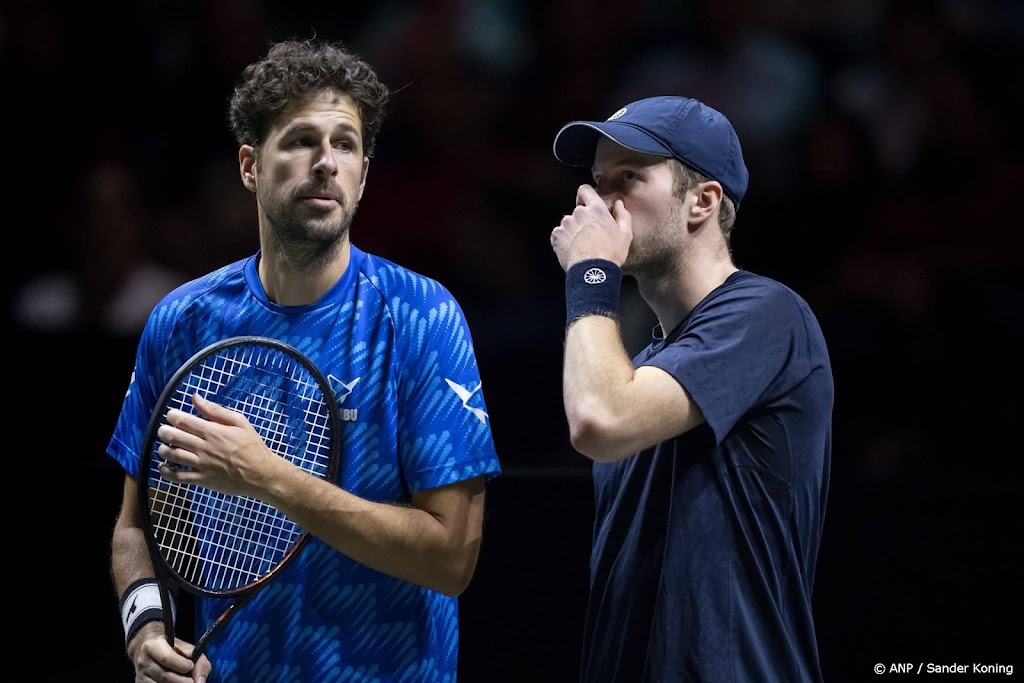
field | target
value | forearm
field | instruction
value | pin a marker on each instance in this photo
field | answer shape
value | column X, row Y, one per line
column 129, row 558
column 129, row 564
column 401, row 541
column 596, row 382
column 129, row 555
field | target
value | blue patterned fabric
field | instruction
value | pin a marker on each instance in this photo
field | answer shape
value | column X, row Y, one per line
column 397, row 350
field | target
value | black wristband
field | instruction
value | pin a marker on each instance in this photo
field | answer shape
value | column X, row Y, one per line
column 592, row 288
column 140, row 605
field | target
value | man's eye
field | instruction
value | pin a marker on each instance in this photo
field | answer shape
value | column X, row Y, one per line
column 629, row 175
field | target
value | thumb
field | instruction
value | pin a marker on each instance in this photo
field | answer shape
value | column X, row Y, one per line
column 214, row 411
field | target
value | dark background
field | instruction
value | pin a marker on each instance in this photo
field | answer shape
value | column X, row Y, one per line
column 885, row 149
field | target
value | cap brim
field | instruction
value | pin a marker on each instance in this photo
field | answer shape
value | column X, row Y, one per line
column 576, row 143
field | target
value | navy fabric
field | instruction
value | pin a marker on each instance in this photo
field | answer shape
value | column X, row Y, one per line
column 705, row 546
column 681, row 127
column 592, row 287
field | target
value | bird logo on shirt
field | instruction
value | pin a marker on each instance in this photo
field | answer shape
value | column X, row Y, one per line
column 341, row 389
column 465, row 394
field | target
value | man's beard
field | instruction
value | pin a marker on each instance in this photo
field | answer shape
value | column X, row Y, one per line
column 310, row 240
column 649, row 263
column 657, row 253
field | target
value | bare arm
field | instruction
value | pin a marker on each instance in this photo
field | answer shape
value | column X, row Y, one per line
column 434, row 542
column 129, row 557
column 149, row 651
column 612, row 410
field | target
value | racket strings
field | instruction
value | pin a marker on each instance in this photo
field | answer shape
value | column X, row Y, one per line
column 221, row 542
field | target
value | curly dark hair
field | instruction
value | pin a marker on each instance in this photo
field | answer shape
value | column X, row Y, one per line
column 295, row 71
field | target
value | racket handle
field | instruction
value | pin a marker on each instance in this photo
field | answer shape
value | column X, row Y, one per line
column 168, row 609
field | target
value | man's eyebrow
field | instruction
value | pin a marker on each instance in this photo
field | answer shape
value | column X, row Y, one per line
column 634, row 160
column 303, row 127
column 618, row 163
column 347, row 127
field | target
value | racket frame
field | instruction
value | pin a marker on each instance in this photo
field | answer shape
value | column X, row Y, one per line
column 165, row 574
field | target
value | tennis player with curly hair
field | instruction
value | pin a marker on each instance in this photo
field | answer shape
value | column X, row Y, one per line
column 395, row 539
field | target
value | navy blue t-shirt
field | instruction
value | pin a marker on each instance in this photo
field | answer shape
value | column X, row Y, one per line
column 705, row 545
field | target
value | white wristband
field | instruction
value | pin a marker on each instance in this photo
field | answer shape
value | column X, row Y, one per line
column 140, row 605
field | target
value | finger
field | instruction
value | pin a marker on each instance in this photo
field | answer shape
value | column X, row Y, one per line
column 176, row 437
column 579, row 201
column 166, row 434
column 177, row 457
column 175, row 665
column 217, row 413
column 184, row 647
column 181, row 420
column 178, row 474
column 622, row 216
column 587, row 195
column 203, row 668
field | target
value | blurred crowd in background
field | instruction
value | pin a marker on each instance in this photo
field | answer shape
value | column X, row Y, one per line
column 886, row 152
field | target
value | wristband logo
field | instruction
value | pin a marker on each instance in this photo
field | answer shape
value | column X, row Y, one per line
column 594, row 276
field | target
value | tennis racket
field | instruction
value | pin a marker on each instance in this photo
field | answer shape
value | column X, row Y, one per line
column 225, row 546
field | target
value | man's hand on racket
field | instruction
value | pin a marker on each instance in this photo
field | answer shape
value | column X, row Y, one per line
column 155, row 660
column 218, row 449
column 593, row 230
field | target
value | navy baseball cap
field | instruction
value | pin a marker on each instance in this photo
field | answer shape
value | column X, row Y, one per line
column 679, row 127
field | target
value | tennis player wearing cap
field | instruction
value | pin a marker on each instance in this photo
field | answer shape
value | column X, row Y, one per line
column 712, row 447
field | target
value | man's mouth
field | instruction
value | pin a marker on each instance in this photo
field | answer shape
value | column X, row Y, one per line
column 320, row 199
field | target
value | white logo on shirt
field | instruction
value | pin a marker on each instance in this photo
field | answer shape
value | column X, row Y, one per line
column 465, row 394
column 341, row 391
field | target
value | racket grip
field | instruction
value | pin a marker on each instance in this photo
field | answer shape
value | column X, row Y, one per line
column 167, row 600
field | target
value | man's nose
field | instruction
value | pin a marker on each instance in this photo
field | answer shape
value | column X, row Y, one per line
column 325, row 163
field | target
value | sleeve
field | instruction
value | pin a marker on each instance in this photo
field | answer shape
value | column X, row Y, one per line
column 147, row 381
column 737, row 353
column 444, row 429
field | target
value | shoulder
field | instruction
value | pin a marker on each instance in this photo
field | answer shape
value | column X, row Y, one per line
column 184, row 296
column 745, row 287
column 748, row 282
column 771, row 308
column 757, row 304
column 397, row 283
column 204, row 283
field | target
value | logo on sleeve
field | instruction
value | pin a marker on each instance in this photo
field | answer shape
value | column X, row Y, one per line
column 465, row 395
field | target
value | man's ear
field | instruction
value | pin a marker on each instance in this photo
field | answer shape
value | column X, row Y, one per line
column 708, row 198
column 362, row 179
column 247, row 166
